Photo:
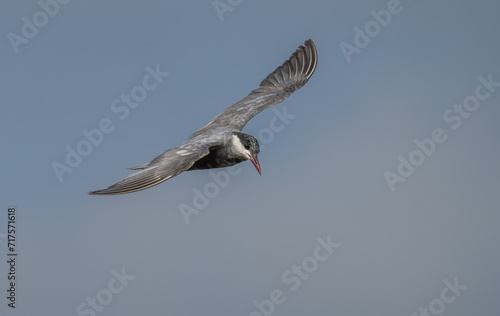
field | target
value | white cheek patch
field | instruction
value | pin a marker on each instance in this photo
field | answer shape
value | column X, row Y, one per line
column 239, row 146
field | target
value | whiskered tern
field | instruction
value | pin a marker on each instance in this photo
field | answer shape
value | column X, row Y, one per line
column 220, row 143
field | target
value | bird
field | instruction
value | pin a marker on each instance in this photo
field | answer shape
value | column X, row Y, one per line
column 220, row 143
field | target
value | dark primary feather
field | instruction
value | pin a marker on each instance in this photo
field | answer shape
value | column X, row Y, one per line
column 278, row 85
column 167, row 165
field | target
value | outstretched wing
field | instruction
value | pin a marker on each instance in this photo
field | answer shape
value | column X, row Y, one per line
column 169, row 164
column 291, row 76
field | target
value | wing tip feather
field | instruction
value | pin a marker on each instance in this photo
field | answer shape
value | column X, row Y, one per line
column 302, row 63
column 135, row 182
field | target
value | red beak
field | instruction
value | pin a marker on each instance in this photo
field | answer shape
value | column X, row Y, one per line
column 255, row 162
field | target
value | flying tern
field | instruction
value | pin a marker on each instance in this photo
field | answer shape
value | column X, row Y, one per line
column 220, row 142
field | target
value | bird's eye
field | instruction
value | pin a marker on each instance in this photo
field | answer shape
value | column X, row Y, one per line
column 247, row 146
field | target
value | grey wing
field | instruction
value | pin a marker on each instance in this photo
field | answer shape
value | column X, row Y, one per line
column 167, row 165
column 291, row 76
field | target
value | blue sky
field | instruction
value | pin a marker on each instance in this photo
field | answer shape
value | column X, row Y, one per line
column 399, row 244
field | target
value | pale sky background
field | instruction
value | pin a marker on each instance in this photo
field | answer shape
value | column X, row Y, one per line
column 323, row 175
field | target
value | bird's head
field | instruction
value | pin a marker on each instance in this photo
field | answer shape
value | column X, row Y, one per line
column 246, row 147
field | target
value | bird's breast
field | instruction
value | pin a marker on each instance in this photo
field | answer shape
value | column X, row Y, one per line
column 217, row 158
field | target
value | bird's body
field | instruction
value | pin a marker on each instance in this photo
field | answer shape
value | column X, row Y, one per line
column 220, row 143
column 219, row 157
